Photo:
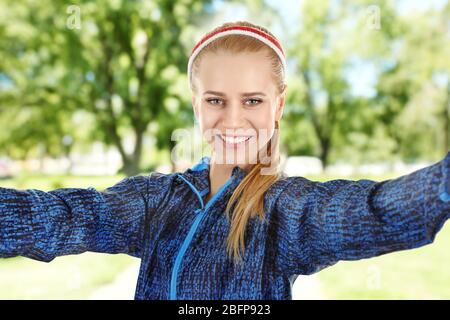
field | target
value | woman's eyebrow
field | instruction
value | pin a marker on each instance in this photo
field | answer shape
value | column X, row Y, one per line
column 245, row 94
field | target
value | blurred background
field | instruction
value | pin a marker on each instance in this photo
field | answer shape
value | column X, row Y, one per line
column 91, row 92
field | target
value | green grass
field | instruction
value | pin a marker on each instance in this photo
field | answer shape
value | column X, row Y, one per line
column 421, row 273
column 66, row 277
column 50, row 182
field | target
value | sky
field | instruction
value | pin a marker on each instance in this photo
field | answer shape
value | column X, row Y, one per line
column 362, row 77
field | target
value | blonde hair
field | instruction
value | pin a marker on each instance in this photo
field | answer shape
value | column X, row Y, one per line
column 247, row 199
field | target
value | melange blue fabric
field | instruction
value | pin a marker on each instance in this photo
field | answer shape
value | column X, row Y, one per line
column 164, row 220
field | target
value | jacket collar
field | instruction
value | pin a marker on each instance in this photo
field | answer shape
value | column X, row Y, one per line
column 198, row 175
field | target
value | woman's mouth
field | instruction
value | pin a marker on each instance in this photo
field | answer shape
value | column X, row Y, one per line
column 234, row 141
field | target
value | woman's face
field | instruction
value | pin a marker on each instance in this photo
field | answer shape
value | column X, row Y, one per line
column 236, row 105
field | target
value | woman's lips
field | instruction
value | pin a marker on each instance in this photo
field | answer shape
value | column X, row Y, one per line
column 234, row 141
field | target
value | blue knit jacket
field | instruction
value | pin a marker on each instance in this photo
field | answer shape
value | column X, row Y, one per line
column 181, row 240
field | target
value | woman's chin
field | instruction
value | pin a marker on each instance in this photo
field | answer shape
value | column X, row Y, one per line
column 233, row 157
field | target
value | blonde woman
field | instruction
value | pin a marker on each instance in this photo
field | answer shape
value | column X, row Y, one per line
column 232, row 226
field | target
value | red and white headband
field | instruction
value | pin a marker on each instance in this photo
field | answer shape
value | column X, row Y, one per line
column 243, row 30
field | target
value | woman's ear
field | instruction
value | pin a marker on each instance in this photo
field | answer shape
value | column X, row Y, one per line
column 281, row 100
column 194, row 106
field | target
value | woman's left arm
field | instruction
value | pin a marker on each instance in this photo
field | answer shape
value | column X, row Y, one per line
column 325, row 222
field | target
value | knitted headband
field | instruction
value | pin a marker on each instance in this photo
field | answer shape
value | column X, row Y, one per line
column 242, row 30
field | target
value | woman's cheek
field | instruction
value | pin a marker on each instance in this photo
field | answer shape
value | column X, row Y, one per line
column 264, row 136
column 209, row 132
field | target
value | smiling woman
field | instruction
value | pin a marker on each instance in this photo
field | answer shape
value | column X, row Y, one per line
column 238, row 82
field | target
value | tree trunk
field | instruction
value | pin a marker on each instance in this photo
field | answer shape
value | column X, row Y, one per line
column 131, row 164
column 324, row 153
column 130, row 167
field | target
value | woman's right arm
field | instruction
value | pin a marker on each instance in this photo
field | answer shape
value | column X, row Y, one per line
column 43, row 225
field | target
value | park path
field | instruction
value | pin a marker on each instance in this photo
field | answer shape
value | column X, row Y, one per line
column 124, row 285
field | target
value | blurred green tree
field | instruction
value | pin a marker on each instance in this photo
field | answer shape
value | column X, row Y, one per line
column 121, row 61
column 414, row 88
column 407, row 52
column 111, row 70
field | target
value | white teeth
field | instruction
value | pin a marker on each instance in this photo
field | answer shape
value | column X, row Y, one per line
column 234, row 139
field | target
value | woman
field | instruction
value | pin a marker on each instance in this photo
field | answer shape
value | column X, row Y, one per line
column 232, row 226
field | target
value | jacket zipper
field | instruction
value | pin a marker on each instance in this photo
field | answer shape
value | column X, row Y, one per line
column 200, row 213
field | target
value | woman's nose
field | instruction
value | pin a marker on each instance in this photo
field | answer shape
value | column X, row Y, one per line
column 234, row 117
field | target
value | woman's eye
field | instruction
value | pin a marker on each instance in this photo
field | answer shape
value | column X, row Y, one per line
column 210, row 101
column 256, row 100
column 214, row 101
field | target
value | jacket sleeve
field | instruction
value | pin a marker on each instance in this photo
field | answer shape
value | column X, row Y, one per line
column 325, row 222
column 43, row 225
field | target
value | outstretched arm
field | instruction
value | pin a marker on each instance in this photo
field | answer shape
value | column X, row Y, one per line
column 325, row 222
column 42, row 225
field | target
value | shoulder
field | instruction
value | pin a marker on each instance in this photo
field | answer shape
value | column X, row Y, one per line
column 288, row 191
column 153, row 186
column 144, row 182
column 159, row 179
column 295, row 190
